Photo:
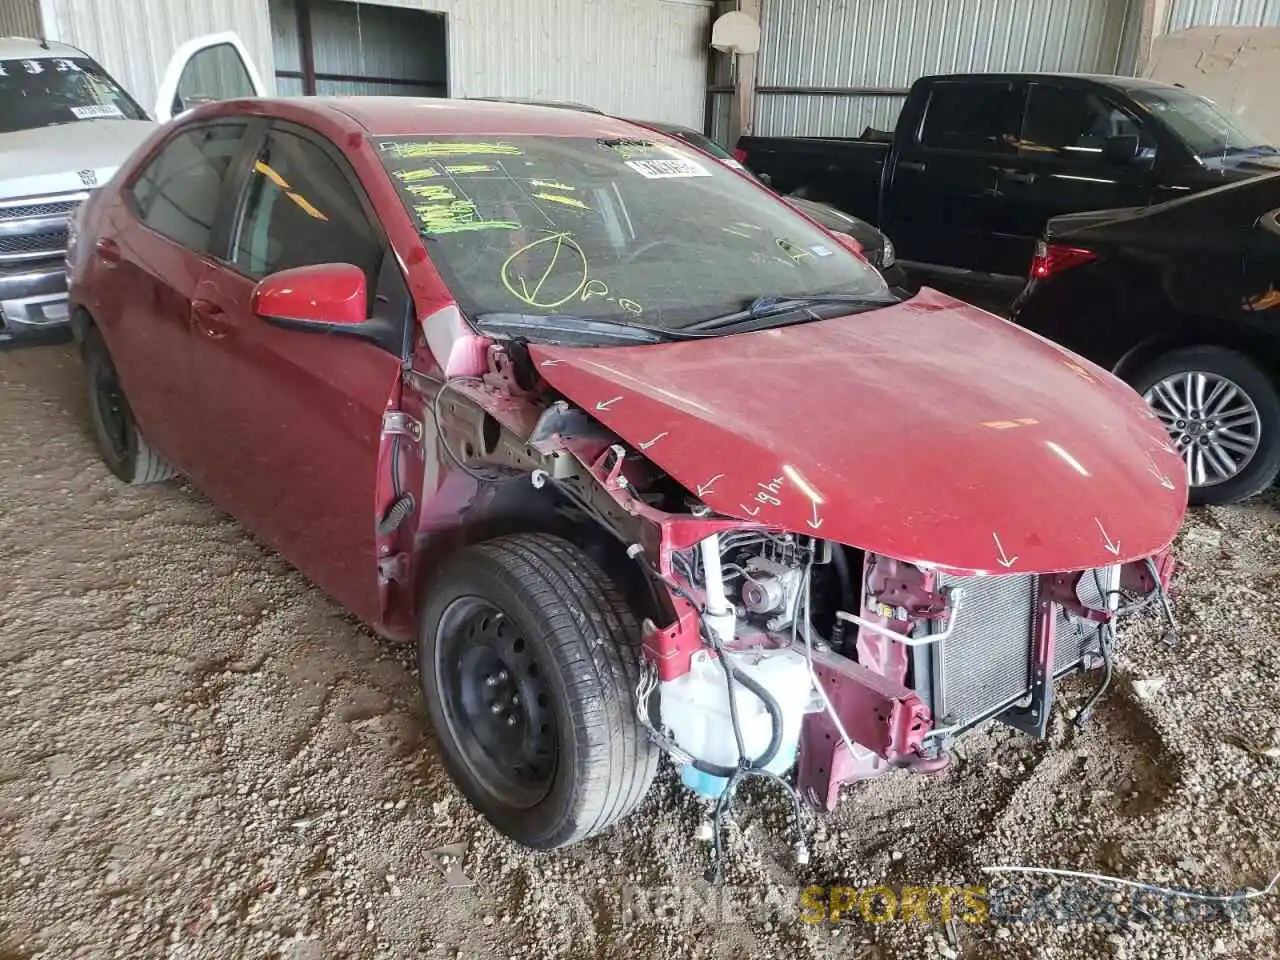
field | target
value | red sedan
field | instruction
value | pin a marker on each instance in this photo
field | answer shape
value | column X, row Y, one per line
column 641, row 458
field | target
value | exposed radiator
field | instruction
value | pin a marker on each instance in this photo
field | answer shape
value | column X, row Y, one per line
column 986, row 662
column 985, row 665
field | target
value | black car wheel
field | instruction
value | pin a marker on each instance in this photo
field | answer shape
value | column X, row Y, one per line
column 120, row 443
column 529, row 660
column 1223, row 414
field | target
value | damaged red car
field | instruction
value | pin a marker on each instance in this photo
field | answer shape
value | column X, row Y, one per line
column 643, row 460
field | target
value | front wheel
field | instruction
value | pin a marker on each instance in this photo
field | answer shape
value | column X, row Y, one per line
column 1223, row 415
column 529, row 659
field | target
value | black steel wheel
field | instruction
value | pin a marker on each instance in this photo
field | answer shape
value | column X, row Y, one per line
column 120, row 443
column 530, row 658
column 494, row 700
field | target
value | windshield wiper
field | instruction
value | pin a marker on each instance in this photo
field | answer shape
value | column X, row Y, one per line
column 570, row 329
column 763, row 307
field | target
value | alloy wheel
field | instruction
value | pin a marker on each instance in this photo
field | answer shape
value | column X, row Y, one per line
column 1214, row 424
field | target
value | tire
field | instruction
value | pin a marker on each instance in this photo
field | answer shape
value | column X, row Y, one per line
column 120, row 443
column 529, row 659
column 1254, row 471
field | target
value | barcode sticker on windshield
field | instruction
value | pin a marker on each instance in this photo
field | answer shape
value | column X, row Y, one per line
column 101, row 110
column 667, row 168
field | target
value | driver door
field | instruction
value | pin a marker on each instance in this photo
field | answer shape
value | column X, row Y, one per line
column 216, row 66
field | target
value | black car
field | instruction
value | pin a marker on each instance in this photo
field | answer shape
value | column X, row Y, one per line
column 1181, row 300
column 877, row 247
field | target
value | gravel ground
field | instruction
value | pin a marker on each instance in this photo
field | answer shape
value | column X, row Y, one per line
column 202, row 756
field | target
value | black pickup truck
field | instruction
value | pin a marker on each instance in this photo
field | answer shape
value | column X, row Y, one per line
column 978, row 163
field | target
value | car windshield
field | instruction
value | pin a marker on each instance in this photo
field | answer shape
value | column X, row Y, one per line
column 51, row 90
column 642, row 230
column 1208, row 130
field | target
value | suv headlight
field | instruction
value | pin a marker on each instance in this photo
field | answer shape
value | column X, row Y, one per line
column 887, row 254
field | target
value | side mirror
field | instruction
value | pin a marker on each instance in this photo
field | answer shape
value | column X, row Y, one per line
column 326, row 297
column 765, row 179
column 1270, row 222
column 1121, row 150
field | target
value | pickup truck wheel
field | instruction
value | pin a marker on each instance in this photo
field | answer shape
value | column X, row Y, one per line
column 120, row 443
column 1223, row 414
column 529, row 660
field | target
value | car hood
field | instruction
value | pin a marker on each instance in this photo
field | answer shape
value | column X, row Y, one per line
column 930, row 431
column 51, row 159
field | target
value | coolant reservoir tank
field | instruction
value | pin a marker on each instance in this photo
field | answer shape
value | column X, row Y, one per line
column 695, row 709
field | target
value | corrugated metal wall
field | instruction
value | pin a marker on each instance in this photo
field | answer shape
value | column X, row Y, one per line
column 639, row 58
column 362, row 39
column 883, row 45
column 134, row 39
column 20, row 18
column 1223, row 13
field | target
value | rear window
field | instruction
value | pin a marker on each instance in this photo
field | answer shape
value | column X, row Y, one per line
column 646, row 231
column 46, row 91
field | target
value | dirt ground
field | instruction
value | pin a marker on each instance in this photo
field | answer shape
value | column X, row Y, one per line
column 202, row 756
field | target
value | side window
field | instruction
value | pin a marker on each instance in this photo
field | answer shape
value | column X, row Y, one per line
column 1071, row 123
column 977, row 117
column 177, row 193
column 301, row 209
column 216, row 73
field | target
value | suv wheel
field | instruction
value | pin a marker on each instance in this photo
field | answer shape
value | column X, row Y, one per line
column 529, row 659
column 1223, row 414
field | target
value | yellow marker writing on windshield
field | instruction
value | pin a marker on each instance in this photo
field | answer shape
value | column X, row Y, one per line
column 550, row 185
column 407, row 151
column 568, row 264
column 422, row 173
column 567, row 201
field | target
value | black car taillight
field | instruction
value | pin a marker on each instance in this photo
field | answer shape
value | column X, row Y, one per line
column 740, row 155
column 1052, row 258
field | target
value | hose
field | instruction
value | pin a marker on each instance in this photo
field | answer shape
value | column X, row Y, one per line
column 775, row 715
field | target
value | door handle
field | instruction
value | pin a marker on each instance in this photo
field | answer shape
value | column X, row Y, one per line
column 108, row 250
column 210, row 318
column 916, row 166
column 1016, row 176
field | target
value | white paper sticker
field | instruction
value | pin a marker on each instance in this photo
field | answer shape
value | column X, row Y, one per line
column 666, row 168
column 95, row 112
column 821, row 251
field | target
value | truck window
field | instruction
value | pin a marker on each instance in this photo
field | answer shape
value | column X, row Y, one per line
column 47, row 91
column 976, row 117
column 1071, row 123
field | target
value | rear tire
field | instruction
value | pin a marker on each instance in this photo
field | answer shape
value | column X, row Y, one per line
column 120, row 443
column 529, row 659
column 1163, row 382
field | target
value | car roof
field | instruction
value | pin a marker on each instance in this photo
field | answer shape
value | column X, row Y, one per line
column 535, row 102
column 29, row 48
column 676, row 129
column 438, row 116
column 1102, row 79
